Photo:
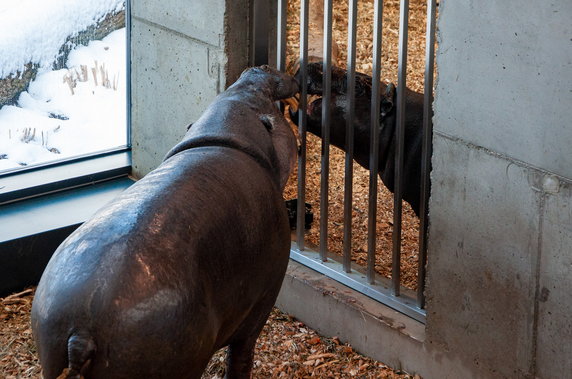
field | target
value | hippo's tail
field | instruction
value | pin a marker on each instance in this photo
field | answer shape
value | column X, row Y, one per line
column 81, row 349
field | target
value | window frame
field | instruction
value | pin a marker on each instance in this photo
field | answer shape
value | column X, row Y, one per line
column 43, row 180
column 64, row 175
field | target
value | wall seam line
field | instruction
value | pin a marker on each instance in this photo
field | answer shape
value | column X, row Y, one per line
column 536, row 306
column 495, row 154
column 177, row 33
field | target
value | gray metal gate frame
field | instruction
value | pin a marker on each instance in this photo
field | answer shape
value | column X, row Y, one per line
column 386, row 291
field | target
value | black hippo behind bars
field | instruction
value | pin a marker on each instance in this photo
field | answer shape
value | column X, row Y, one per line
column 362, row 125
column 187, row 260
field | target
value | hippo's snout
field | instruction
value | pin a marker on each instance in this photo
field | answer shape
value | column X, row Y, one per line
column 281, row 85
column 286, row 85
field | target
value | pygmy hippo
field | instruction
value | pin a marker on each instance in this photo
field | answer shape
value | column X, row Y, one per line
column 362, row 125
column 187, row 260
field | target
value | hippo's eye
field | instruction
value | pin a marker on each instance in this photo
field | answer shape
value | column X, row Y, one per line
column 266, row 121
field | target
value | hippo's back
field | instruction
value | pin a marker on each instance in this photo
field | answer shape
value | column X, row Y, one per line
column 165, row 274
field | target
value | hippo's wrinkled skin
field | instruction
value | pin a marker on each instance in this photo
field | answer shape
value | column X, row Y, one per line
column 362, row 125
column 187, row 260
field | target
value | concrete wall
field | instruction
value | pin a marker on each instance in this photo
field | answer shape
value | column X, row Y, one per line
column 182, row 56
column 500, row 253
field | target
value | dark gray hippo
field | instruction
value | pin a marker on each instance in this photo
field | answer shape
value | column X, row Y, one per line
column 362, row 122
column 187, row 260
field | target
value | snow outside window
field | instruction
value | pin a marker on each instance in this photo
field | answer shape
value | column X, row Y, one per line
column 62, row 80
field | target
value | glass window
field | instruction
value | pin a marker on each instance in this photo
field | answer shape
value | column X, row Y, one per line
column 63, row 87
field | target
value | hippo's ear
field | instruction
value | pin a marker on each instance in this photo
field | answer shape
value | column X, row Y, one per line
column 387, row 100
column 266, row 120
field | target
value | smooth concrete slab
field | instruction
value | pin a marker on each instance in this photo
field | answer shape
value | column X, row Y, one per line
column 554, row 346
column 173, row 80
column 484, row 237
column 195, row 19
column 504, row 78
column 371, row 328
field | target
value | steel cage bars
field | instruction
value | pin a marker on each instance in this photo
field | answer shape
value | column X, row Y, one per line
column 386, row 291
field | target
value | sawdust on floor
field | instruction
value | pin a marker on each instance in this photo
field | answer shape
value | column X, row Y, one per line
column 286, row 348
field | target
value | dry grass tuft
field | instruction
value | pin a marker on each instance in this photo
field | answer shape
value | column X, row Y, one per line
column 100, row 76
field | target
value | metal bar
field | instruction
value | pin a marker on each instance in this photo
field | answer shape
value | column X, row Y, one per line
column 281, row 39
column 426, row 151
column 374, row 141
column 327, row 95
column 128, row 69
column 41, row 180
column 302, row 123
column 357, row 281
column 260, row 31
column 400, row 125
column 348, row 184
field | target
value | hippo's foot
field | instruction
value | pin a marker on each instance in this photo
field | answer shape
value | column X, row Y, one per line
column 292, row 208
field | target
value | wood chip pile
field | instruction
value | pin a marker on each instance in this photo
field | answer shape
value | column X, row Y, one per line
column 286, row 348
column 18, row 358
column 415, row 70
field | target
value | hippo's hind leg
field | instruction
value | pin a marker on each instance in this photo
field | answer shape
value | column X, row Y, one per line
column 241, row 348
column 53, row 360
column 239, row 359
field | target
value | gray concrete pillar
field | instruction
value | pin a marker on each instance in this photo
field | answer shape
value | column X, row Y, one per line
column 499, row 272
